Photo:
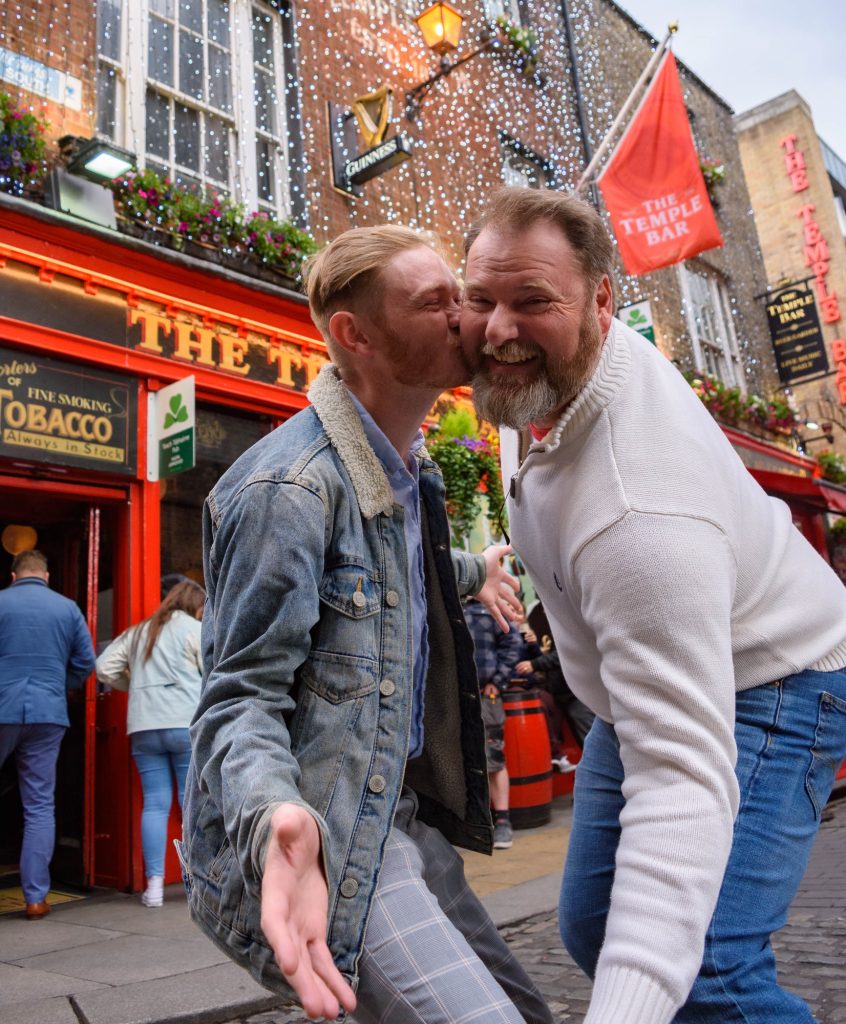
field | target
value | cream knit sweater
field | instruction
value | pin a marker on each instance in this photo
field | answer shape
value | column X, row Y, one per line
column 671, row 580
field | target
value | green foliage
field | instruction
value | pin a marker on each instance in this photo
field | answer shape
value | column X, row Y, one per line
column 523, row 41
column 838, row 530
column 152, row 203
column 470, row 468
column 731, row 406
column 833, row 468
column 714, row 173
column 22, row 148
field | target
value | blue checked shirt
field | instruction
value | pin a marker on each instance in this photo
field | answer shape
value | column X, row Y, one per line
column 496, row 652
column 405, row 484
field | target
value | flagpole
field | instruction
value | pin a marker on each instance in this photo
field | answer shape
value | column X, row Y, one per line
column 672, row 28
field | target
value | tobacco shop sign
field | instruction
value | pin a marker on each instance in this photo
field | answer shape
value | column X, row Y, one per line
column 56, row 412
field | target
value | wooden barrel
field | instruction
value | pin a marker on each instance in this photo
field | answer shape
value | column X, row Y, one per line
column 528, row 759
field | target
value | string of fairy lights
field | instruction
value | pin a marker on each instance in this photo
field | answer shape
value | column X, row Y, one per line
column 347, row 47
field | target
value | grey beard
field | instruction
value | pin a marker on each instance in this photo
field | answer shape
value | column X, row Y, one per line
column 505, row 405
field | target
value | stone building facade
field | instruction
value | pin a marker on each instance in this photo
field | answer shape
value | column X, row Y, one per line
column 797, row 186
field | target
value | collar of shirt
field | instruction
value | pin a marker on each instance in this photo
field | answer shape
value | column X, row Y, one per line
column 30, row 579
column 400, row 474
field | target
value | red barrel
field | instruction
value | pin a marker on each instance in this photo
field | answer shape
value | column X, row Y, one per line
column 528, row 759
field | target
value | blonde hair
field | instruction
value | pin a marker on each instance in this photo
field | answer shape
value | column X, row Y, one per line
column 345, row 274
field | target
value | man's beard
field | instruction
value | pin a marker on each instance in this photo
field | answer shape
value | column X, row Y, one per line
column 511, row 402
column 419, row 370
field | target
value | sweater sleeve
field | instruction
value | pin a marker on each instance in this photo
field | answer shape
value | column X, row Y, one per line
column 656, row 591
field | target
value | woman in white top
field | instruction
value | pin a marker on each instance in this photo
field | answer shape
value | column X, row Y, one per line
column 159, row 662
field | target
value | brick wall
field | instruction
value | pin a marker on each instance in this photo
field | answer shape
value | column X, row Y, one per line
column 781, row 228
column 62, row 37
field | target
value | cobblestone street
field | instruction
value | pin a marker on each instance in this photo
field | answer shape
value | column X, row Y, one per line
column 811, row 949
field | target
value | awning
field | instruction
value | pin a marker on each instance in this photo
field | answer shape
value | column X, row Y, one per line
column 818, row 494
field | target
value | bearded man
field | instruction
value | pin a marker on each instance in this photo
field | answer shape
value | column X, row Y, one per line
column 690, row 615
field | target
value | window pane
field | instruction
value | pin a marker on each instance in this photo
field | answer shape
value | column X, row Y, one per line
column 166, row 8
column 219, row 92
column 264, row 169
column 191, row 65
column 218, row 19
column 217, row 149
column 158, row 127
column 106, row 101
column 263, row 94
column 262, row 39
column 108, row 28
column 160, row 169
column 191, row 15
column 160, row 51
column 189, row 182
column 186, row 131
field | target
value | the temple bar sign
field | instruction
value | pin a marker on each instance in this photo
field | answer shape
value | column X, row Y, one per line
column 56, row 412
column 796, row 334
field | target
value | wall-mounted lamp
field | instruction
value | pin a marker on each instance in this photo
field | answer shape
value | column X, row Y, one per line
column 95, row 159
column 440, row 25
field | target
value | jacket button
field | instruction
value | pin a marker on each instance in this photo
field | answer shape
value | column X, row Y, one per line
column 387, row 687
column 358, row 599
column 349, row 887
column 376, row 784
column 392, row 598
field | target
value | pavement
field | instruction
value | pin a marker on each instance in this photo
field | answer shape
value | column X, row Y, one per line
column 109, row 960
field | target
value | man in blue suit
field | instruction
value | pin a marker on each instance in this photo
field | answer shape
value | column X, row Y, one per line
column 45, row 647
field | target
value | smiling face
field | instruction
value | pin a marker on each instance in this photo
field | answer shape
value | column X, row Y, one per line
column 532, row 327
column 417, row 321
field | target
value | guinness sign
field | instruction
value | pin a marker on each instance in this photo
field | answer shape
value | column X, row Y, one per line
column 372, row 111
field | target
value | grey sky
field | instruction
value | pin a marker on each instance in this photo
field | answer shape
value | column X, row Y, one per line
column 749, row 51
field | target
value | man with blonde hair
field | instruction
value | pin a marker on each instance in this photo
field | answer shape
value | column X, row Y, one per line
column 338, row 745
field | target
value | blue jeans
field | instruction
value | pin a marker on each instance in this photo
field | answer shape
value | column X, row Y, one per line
column 36, row 749
column 160, row 756
column 791, row 739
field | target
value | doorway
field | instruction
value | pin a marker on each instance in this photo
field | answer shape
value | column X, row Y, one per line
column 77, row 529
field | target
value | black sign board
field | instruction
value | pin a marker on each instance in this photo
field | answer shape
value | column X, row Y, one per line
column 68, row 415
column 350, row 171
column 795, row 331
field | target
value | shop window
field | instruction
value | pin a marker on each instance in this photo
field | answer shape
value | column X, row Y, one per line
column 193, row 87
column 710, row 323
column 522, row 166
column 222, row 435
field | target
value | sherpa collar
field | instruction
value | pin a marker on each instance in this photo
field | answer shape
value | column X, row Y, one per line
column 334, row 407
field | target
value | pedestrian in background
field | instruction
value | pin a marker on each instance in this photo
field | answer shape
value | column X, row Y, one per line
column 159, row 662
column 496, row 654
column 45, row 648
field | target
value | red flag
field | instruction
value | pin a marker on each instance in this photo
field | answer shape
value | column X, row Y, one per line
column 653, row 186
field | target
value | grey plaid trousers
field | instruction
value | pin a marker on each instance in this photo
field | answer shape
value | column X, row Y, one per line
column 431, row 954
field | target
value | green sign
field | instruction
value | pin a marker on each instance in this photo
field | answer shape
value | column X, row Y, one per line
column 171, row 416
column 638, row 316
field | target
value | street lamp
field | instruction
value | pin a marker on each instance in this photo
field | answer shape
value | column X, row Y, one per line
column 441, row 28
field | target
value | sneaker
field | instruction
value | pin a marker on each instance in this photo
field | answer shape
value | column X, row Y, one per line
column 153, row 895
column 503, row 836
column 563, row 764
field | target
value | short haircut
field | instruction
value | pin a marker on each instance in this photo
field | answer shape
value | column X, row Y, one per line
column 345, row 274
column 29, row 562
column 515, row 208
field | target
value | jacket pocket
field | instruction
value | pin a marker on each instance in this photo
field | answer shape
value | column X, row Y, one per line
column 349, row 626
column 827, row 751
column 350, row 590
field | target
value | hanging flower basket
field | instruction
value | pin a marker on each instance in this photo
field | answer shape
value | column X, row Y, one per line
column 732, row 407
column 521, row 43
column 22, row 149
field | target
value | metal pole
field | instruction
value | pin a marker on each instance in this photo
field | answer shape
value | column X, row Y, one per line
column 672, row 28
column 581, row 114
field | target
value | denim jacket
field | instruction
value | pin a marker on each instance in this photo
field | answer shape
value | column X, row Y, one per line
column 307, row 690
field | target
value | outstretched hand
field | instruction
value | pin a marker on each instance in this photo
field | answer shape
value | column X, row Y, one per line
column 294, row 909
column 498, row 594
